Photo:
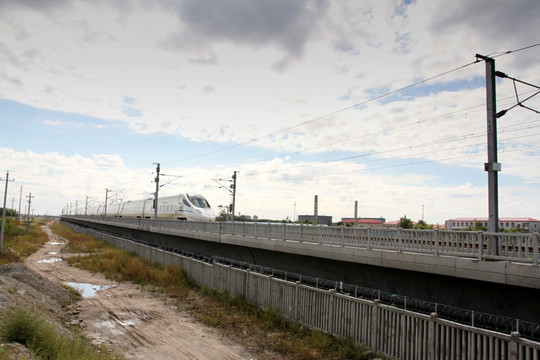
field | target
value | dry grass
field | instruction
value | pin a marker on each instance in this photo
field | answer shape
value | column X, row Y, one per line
column 262, row 331
column 20, row 243
column 27, row 326
column 78, row 243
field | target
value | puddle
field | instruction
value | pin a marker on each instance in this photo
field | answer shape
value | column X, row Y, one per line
column 55, row 243
column 50, row 261
column 87, row 290
column 52, row 253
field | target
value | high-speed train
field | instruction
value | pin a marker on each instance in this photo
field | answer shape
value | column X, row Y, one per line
column 181, row 207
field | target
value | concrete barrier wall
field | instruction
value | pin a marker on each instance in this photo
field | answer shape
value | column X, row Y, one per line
column 398, row 333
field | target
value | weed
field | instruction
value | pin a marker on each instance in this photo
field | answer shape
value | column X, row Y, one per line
column 18, row 244
column 78, row 243
column 26, row 326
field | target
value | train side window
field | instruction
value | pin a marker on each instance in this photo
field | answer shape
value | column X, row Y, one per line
column 186, row 203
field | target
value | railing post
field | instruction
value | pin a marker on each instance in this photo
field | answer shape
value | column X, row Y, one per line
column 342, row 236
column 368, row 237
column 301, row 233
column 329, row 325
column 513, row 345
column 535, row 249
column 399, row 239
column 436, row 241
column 432, row 345
column 480, row 241
column 374, row 325
column 284, row 231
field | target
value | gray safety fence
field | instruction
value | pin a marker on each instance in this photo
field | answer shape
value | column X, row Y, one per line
column 399, row 333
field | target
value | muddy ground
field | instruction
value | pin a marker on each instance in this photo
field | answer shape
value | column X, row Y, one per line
column 134, row 324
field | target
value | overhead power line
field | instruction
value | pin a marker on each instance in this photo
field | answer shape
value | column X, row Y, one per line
column 350, row 107
column 326, row 115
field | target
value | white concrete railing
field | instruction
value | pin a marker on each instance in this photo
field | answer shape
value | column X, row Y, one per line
column 398, row 333
column 516, row 247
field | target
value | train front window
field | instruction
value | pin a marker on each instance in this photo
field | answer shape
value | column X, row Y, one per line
column 199, row 201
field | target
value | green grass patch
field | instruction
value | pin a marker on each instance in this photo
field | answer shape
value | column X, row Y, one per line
column 28, row 327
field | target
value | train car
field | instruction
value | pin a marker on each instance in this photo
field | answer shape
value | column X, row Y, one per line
column 182, row 207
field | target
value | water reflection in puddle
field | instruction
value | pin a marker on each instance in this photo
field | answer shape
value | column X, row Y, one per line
column 87, row 290
column 50, row 261
column 55, row 243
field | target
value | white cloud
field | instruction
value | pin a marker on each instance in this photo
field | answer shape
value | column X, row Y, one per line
column 229, row 72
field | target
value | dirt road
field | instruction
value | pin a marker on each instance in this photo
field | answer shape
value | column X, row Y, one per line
column 133, row 323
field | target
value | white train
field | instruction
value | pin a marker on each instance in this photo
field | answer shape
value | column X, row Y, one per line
column 181, row 207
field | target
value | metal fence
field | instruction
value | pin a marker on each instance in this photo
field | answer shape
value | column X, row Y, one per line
column 517, row 247
column 394, row 331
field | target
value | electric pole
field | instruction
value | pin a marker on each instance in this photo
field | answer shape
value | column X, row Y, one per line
column 356, row 213
column 4, row 211
column 29, row 196
column 233, row 187
column 106, row 200
column 157, row 190
column 20, row 200
column 492, row 166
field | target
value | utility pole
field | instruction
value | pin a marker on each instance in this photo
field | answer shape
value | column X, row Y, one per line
column 29, row 196
column 4, row 211
column 492, row 166
column 316, row 210
column 20, row 200
column 356, row 213
column 106, row 200
column 157, row 191
column 233, row 187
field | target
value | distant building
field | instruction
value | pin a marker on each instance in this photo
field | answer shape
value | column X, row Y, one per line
column 391, row 224
column 365, row 222
column 321, row 219
column 379, row 219
column 529, row 224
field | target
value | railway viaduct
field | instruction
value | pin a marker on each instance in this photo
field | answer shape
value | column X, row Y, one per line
column 441, row 267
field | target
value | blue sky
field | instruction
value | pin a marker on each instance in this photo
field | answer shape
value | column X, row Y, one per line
column 286, row 93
